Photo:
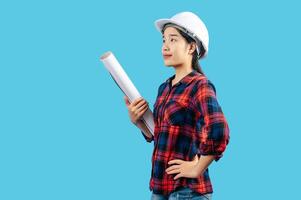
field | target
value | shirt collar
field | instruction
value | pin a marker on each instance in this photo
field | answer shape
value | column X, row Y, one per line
column 186, row 79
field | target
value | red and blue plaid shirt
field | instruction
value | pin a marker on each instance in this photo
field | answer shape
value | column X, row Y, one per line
column 188, row 121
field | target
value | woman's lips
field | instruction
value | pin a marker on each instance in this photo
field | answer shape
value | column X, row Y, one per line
column 167, row 56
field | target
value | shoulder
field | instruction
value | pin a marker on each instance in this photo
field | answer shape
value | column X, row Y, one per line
column 164, row 83
column 161, row 88
column 202, row 82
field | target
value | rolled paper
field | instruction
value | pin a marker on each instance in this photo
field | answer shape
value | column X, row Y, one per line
column 126, row 85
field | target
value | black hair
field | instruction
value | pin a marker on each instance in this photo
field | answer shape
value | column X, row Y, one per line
column 195, row 57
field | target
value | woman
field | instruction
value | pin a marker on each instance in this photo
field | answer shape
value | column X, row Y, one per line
column 190, row 128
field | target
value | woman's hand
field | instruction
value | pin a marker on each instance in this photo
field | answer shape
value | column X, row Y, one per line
column 136, row 109
column 182, row 168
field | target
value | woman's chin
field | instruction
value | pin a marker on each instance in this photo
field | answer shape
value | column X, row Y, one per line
column 167, row 63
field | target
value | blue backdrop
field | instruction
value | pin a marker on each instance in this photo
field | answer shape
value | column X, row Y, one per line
column 64, row 128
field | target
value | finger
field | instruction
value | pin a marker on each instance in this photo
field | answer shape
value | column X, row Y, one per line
column 141, row 103
column 172, row 168
column 137, row 112
column 136, row 101
column 178, row 176
column 175, row 171
column 138, row 105
column 142, row 108
column 175, row 162
column 140, row 113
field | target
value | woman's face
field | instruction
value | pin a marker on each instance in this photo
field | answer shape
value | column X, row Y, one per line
column 175, row 49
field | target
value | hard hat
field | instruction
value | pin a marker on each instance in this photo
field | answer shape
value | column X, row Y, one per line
column 192, row 25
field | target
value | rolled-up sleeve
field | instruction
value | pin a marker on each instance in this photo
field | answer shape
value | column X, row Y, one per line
column 214, row 131
column 147, row 138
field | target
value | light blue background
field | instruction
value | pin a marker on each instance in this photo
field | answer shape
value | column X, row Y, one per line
column 64, row 128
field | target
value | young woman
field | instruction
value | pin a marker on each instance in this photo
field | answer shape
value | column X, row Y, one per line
column 190, row 128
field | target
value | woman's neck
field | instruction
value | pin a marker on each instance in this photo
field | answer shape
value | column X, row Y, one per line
column 180, row 72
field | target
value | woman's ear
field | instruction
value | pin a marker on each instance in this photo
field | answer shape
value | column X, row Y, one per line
column 192, row 47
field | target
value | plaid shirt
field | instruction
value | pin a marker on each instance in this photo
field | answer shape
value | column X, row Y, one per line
column 188, row 121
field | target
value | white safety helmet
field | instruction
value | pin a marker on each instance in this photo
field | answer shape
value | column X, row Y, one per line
column 191, row 24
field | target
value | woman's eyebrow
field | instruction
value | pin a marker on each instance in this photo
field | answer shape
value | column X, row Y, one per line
column 171, row 35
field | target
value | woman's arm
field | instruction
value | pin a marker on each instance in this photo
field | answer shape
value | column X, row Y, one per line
column 190, row 169
column 145, row 131
column 203, row 164
column 136, row 110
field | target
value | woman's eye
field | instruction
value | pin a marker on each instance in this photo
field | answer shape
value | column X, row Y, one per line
column 171, row 40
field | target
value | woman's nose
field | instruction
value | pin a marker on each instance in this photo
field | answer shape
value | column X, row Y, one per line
column 165, row 47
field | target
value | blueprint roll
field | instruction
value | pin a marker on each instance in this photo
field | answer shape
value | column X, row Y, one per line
column 126, row 85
